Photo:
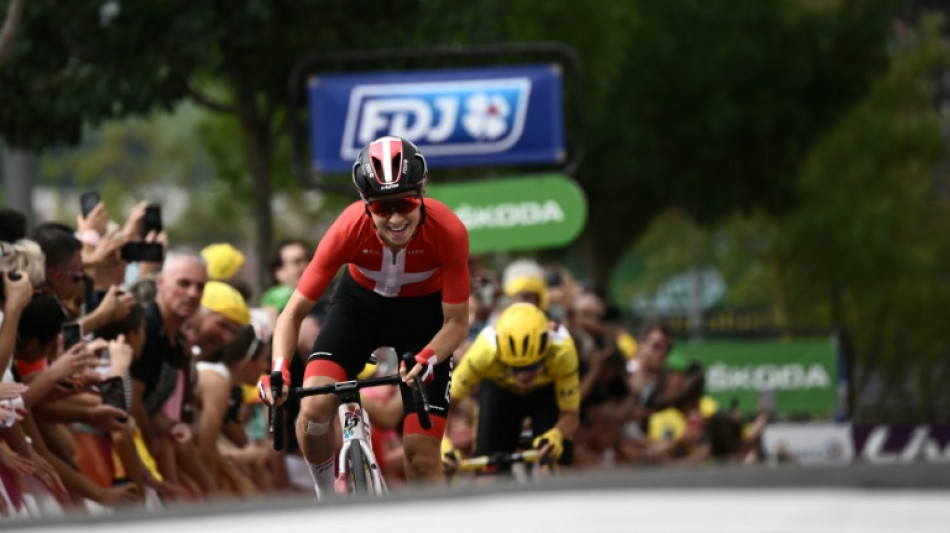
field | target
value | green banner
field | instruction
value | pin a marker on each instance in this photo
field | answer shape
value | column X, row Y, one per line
column 801, row 374
column 518, row 213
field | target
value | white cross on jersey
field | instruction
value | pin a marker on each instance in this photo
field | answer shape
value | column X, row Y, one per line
column 392, row 274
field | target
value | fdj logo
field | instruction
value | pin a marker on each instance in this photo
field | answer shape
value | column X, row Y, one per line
column 444, row 118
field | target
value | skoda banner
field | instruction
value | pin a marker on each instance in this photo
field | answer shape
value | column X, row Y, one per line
column 525, row 213
column 800, row 376
column 457, row 117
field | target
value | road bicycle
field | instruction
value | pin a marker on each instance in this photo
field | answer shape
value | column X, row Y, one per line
column 358, row 472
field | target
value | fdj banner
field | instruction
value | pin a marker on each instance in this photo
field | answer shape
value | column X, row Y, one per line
column 457, row 117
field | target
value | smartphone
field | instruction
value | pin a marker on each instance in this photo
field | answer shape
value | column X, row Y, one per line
column 88, row 202
column 113, row 393
column 137, row 251
column 152, row 220
column 72, row 334
column 234, row 405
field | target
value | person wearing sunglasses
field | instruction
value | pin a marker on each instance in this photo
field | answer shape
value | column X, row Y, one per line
column 406, row 285
column 522, row 367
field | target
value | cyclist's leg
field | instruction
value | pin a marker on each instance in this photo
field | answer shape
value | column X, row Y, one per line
column 339, row 352
column 411, row 325
column 317, row 434
column 421, row 447
column 500, row 417
column 544, row 416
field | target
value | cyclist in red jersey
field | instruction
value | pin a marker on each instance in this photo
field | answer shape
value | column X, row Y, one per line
column 406, row 285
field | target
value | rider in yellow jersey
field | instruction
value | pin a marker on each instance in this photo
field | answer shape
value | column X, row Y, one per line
column 523, row 366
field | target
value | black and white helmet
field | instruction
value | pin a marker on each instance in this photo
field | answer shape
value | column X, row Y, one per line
column 389, row 166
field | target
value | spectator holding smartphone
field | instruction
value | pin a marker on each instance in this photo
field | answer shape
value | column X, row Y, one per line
column 50, row 405
column 66, row 279
column 124, row 340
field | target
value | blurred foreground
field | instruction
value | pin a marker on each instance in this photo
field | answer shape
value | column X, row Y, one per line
column 787, row 499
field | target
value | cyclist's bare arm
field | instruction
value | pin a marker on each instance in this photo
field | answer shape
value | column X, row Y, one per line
column 450, row 336
column 286, row 331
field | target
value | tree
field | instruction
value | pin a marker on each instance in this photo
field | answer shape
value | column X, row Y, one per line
column 715, row 106
column 10, row 25
column 870, row 240
column 77, row 63
column 82, row 64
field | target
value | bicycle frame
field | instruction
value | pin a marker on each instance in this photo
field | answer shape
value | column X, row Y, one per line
column 357, row 431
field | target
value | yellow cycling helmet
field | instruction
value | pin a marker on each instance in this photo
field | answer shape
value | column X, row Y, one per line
column 522, row 333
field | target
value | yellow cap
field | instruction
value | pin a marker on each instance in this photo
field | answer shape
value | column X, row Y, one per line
column 223, row 260
column 226, row 301
column 529, row 284
column 627, row 345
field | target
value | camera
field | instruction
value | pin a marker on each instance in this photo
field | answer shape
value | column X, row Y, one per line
column 152, row 220
column 88, row 202
column 136, row 251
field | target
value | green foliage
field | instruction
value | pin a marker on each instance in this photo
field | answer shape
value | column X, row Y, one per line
column 872, row 236
column 74, row 63
column 132, row 155
column 719, row 101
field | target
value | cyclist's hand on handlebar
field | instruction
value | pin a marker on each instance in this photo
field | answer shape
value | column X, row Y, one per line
column 264, row 385
column 551, row 444
column 450, row 462
column 425, row 362
column 264, row 391
column 449, row 455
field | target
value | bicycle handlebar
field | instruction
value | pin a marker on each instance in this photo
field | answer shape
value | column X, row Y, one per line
column 419, row 395
column 499, row 459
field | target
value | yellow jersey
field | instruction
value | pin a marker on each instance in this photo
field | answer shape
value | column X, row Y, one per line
column 559, row 366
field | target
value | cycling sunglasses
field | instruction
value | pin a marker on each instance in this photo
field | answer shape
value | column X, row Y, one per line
column 528, row 368
column 386, row 208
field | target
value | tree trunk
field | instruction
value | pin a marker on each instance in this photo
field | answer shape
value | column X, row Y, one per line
column 259, row 154
column 10, row 26
column 261, row 169
column 20, row 169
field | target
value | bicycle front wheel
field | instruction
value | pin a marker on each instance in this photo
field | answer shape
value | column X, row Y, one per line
column 359, row 470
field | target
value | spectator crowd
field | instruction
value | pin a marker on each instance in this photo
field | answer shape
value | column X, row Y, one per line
column 154, row 403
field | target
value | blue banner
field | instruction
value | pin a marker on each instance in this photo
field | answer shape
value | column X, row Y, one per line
column 457, row 117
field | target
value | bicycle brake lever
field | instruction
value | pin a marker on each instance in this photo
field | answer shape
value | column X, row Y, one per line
column 419, row 394
column 276, row 413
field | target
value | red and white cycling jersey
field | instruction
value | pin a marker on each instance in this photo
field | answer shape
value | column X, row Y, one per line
column 436, row 258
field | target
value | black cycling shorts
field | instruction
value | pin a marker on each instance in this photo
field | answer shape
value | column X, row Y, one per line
column 359, row 321
column 501, row 415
